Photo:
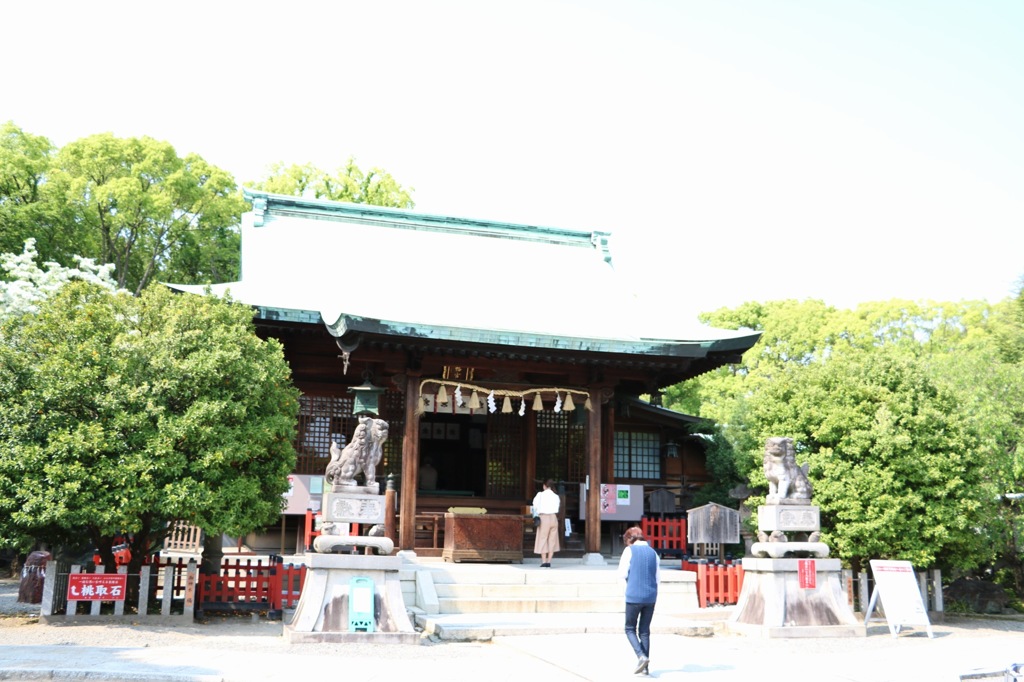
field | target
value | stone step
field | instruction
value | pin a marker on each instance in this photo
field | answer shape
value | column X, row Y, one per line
column 485, row 626
column 531, row 605
column 526, row 576
column 443, row 588
column 549, row 590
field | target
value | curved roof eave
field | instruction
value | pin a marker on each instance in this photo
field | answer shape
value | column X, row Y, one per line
column 650, row 347
column 721, row 341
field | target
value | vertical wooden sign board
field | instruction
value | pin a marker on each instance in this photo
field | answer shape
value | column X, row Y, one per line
column 897, row 586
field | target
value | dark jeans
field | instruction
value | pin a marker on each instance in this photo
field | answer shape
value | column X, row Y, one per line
column 638, row 627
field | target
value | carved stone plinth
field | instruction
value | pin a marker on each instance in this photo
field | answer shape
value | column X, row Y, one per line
column 804, row 517
column 794, row 526
column 343, row 508
column 322, row 612
column 794, row 598
column 353, row 507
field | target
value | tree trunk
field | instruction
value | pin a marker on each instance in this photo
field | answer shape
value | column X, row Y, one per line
column 213, row 553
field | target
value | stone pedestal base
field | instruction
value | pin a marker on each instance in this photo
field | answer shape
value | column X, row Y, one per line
column 794, row 598
column 789, row 550
column 331, row 544
column 322, row 612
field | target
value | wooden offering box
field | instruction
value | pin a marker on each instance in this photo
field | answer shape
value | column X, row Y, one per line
column 483, row 537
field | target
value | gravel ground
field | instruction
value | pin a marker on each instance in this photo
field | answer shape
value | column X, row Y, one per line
column 20, row 626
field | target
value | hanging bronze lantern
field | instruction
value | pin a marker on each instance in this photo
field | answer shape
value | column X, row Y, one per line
column 367, row 399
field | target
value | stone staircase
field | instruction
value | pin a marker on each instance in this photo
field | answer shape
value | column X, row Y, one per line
column 480, row 601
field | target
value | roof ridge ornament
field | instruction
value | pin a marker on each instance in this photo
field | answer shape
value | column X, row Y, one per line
column 259, row 208
column 599, row 239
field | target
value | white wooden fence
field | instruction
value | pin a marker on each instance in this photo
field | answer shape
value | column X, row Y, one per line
column 170, row 587
column 858, row 588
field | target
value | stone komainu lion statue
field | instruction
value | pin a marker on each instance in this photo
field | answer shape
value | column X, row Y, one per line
column 786, row 481
column 361, row 455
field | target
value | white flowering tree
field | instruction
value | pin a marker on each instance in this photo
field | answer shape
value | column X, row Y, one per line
column 24, row 285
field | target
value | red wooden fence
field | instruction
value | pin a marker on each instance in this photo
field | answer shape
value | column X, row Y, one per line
column 293, row 577
column 716, row 583
column 667, row 535
column 251, row 585
column 243, row 585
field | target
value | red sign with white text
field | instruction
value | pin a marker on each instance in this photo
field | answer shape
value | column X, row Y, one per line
column 807, row 573
column 97, row 586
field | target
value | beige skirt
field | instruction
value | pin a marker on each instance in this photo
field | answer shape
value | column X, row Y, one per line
column 546, row 540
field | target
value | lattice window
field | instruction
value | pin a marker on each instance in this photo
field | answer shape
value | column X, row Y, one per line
column 323, row 418
column 504, row 455
column 551, row 446
column 637, row 455
column 577, row 451
column 561, row 446
column 392, row 410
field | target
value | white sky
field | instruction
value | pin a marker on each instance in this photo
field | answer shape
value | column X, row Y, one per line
column 737, row 150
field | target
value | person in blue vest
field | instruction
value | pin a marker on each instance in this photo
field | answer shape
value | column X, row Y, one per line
column 640, row 567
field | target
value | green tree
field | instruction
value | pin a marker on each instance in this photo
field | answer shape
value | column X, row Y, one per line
column 138, row 205
column 900, row 408
column 721, row 462
column 348, row 183
column 897, row 472
column 987, row 372
column 122, row 413
column 25, row 211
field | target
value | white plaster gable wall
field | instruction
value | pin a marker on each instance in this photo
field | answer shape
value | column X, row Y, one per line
column 437, row 278
column 444, row 278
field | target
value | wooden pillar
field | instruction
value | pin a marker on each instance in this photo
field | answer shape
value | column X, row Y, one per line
column 592, row 539
column 390, row 495
column 608, row 441
column 410, row 465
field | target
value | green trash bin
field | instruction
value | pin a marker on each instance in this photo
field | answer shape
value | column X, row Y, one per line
column 360, row 605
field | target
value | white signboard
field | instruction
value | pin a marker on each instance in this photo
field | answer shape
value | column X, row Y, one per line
column 896, row 585
column 618, row 502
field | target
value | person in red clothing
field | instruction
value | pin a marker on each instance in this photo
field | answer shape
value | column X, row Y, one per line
column 640, row 567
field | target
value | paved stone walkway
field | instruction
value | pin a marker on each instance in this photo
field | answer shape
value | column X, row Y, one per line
column 246, row 649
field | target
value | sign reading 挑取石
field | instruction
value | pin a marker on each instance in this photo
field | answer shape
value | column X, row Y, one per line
column 807, row 574
column 896, row 585
column 97, row 586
